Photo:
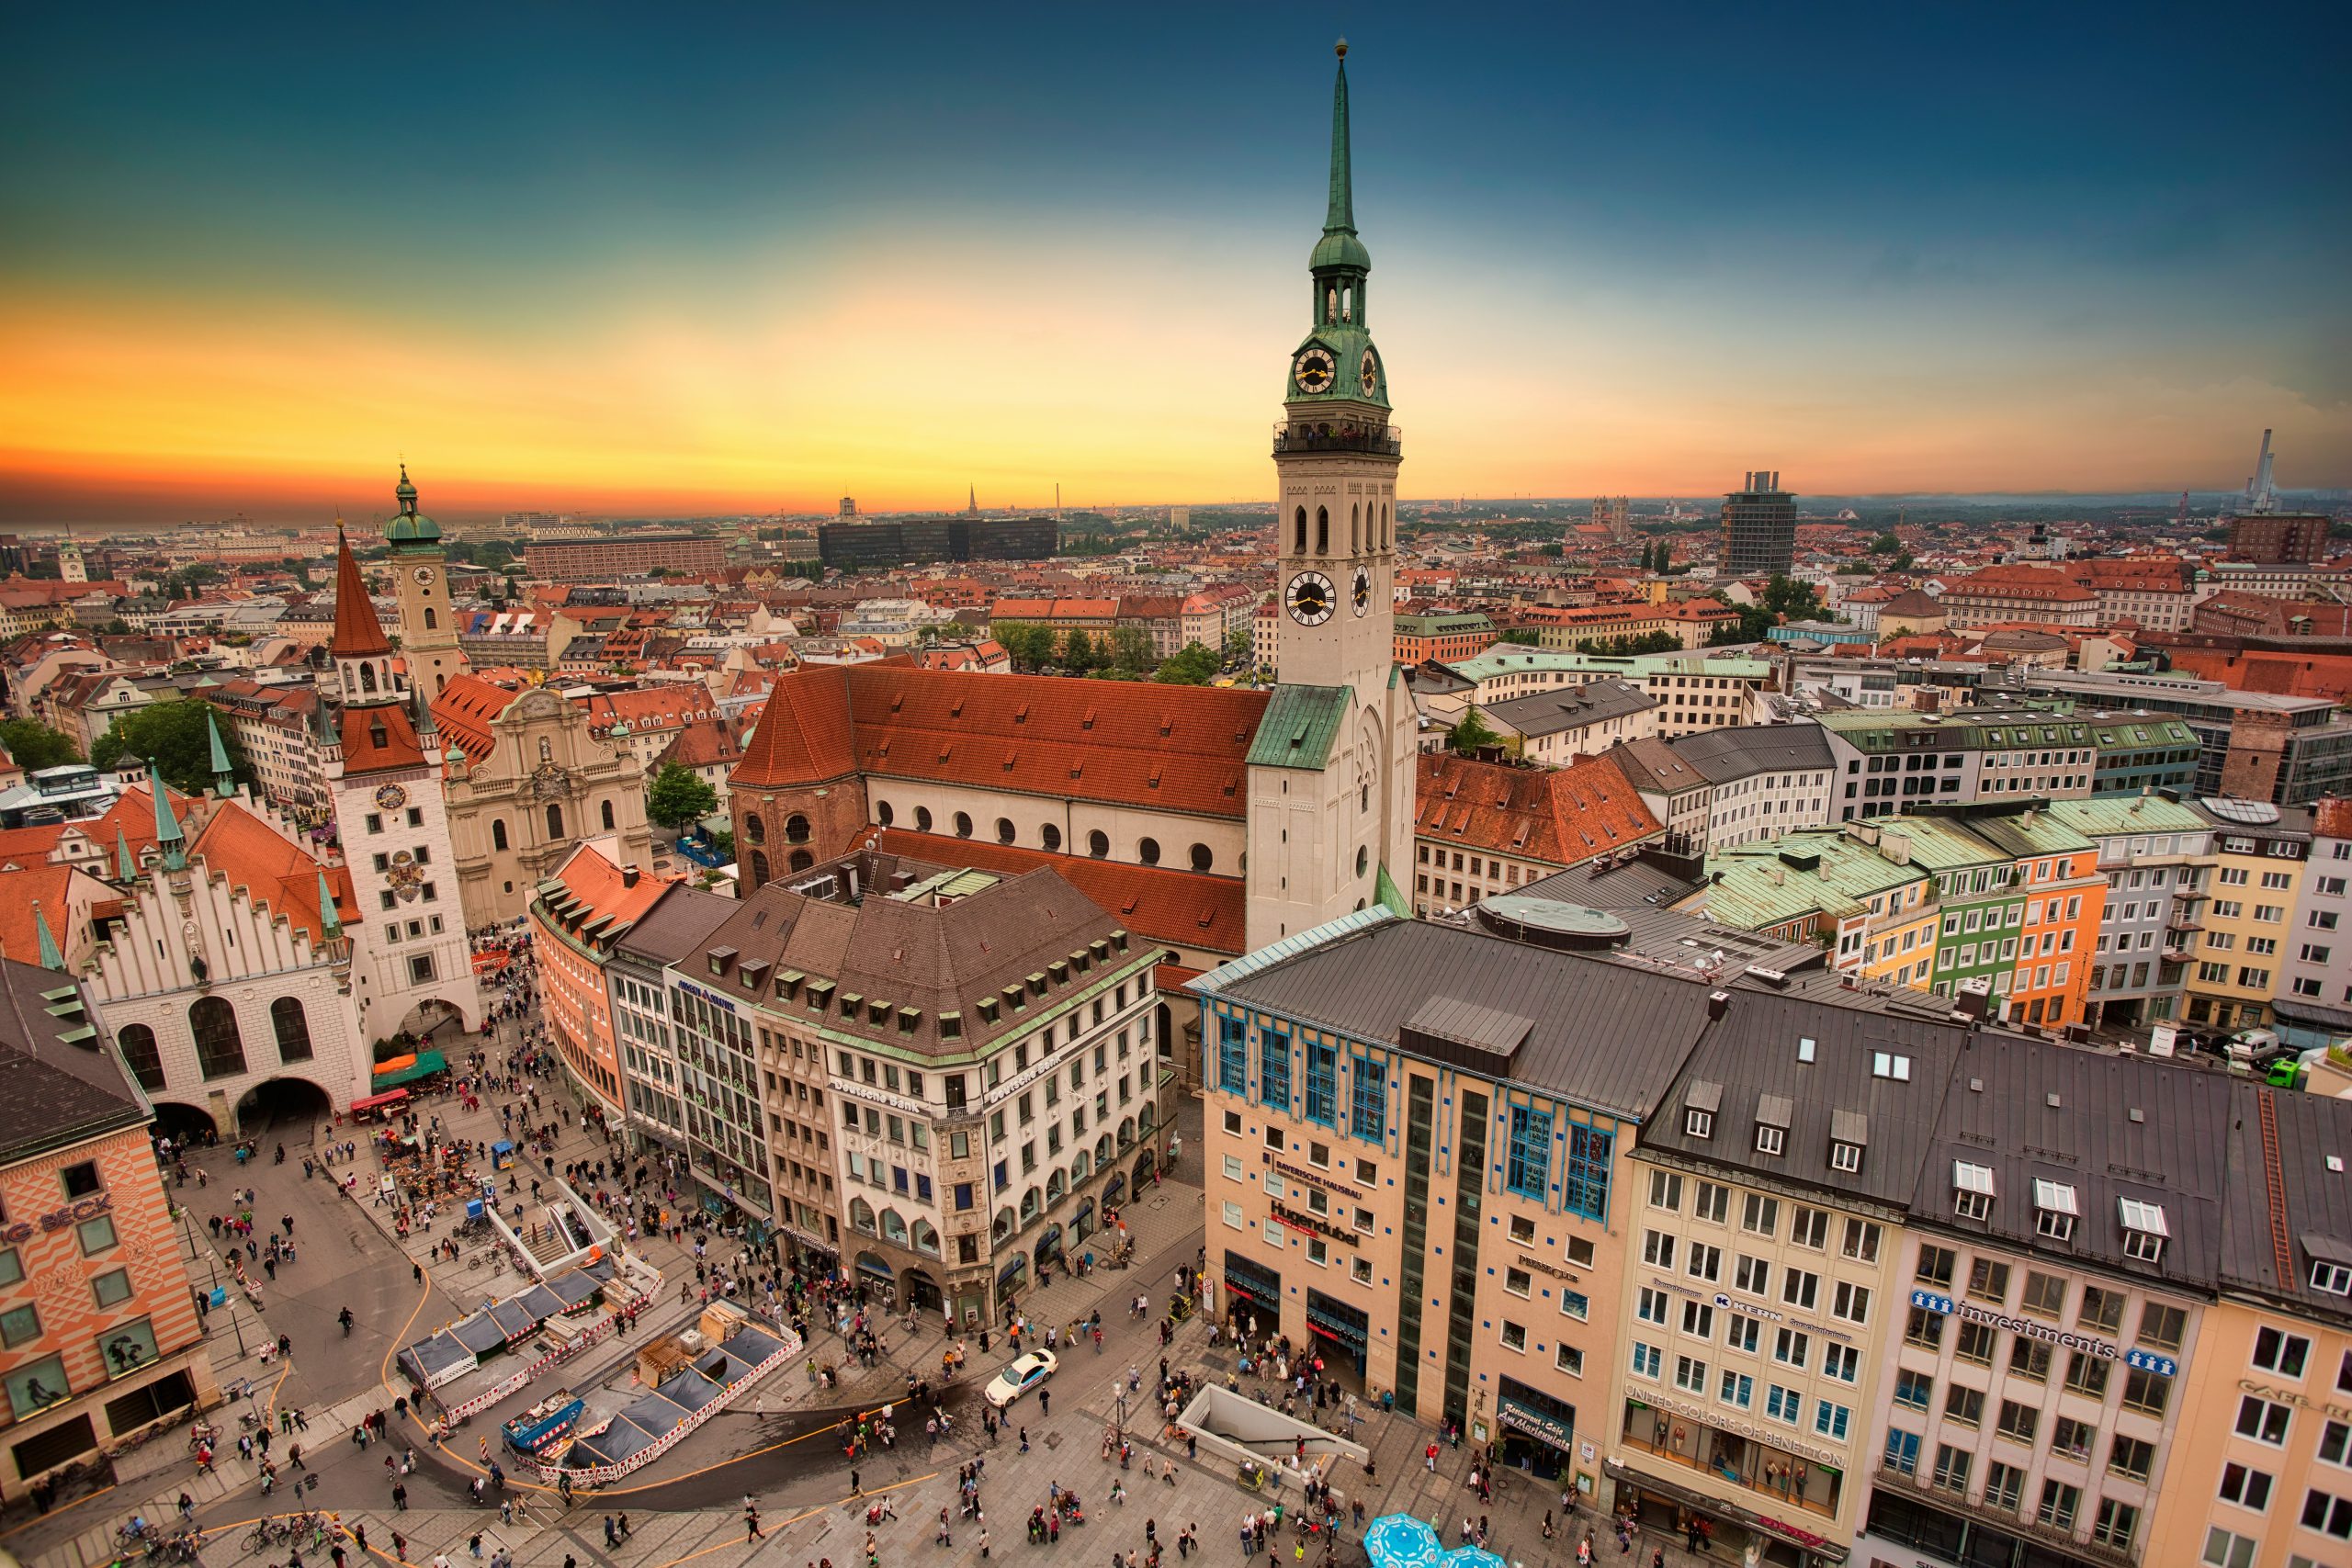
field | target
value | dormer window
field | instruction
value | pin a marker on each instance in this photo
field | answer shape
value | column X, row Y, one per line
column 1774, row 1112
column 1972, row 1189
column 1705, row 1099
column 2144, row 1230
column 1770, row 1140
column 1845, row 1157
column 2336, row 1279
column 2055, row 1209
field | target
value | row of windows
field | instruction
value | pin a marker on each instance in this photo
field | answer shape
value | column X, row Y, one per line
column 1049, row 836
column 219, row 1043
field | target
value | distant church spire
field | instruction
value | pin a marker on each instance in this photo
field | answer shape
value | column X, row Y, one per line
column 972, row 501
column 168, row 837
column 50, row 958
column 223, row 778
column 358, row 633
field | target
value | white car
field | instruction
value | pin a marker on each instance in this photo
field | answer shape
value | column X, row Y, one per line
column 1025, row 1373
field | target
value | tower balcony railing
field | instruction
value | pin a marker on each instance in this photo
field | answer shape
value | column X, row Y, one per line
column 1338, row 436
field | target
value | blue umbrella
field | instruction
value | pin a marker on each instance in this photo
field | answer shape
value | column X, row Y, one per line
column 1400, row 1541
column 1471, row 1557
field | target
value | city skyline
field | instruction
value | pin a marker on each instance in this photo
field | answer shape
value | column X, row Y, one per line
column 570, row 267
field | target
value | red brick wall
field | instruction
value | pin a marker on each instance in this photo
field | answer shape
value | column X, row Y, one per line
column 835, row 813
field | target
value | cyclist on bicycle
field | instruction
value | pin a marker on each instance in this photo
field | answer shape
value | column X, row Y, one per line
column 344, row 1317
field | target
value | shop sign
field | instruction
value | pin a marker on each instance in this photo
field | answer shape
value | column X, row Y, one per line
column 1768, row 1437
column 2149, row 1361
column 58, row 1219
column 1667, row 1282
column 1732, row 1304
column 1554, row 1269
column 713, row 999
column 1299, row 1221
column 1295, row 1174
column 2294, row 1396
column 2104, row 1350
column 1535, row 1422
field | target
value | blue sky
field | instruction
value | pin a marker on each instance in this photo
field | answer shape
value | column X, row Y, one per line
column 589, row 253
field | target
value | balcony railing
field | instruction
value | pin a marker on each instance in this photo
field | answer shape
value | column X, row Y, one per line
column 1338, row 436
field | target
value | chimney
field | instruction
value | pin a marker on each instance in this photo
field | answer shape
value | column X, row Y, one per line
column 1718, row 1004
column 628, row 876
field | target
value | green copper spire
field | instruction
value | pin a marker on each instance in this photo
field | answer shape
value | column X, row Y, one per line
column 1340, row 248
column 126, row 866
column 1341, row 217
column 329, row 916
column 50, row 957
column 168, row 837
column 223, row 779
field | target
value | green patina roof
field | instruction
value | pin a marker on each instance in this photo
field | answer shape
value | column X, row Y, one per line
column 2124, row 734
column 410, row 527
column 1299, row 726
column 1450, row 621
column 2105, row 816
column 1505, row 658
column 1849, row 872
column 1340, row 247
column 1390, row 896
column 1941, row 844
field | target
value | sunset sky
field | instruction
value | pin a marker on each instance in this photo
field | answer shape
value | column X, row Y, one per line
column 695, row 259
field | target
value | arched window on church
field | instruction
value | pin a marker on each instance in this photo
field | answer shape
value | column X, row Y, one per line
column 1203, row 857
column 605, row 809
column 1330, row 304
column 1300, row 548
column 755, row 828
column 367, row 677
column 498, row 833
column 555, row 823
column 759, row 868
column 1098, row 844
column 138, row 1046
column 220, row 1049
column 1148, row 851
column 1322, row 531
column 292, row 1027
column 1355, row 528
column 796, row 829
column 431, row 620
column 802, row 860
column 1347, row 304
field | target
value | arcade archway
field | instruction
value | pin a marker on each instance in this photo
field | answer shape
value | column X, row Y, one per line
column 184, row 1123
column 282, row 1105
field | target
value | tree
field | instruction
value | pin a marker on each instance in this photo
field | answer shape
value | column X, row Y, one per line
column 679, row 798
column 36, row 746
column 1886, row 545
column 1191, row 665
column 1237, row 646
column 1079, row 655
column 1027, row 644
column 1472, row 732
column 1130, row 649
column 176, row 735
column 1791, row 599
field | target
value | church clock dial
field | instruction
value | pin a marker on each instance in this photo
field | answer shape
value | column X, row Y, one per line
column 392, row 797
column 1315, row 370
column 1312, row 599
column 1369, row 376
column 1360, row 594
column 423, row 577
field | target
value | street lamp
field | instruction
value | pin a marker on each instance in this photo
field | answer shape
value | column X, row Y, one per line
column 1119, row 1424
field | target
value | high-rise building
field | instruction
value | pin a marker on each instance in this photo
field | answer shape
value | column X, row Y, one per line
column 1759, row 527
column 2260, row 533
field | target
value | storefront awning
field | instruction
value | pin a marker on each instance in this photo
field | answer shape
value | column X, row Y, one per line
column 1699, row 1502
column 423, row 1065
column 376, row 1102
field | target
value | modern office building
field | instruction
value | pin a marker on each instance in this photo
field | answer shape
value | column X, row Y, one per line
column 1759, row 527
column 854, row 546
column 2253, row 745
column 619, row 556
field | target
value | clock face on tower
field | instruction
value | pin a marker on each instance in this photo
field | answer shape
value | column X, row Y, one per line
column 1311, row 598
column 424, row 575
column 1370, row 374
column 392, row 797
column 1360, row 592
column 1315, row 370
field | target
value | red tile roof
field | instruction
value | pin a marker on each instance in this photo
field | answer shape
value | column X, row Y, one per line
column 1187, row 908
column 463, row 711
column 379, row 740
column 605, row 889
column 357, row 632
column 804, row 735
column 273, row 869
column 46, row 885
column 2041, row 582
column 1557, row 816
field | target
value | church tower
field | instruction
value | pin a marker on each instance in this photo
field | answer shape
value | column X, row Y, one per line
column 411, row 963
column 428, row 634
column 1332, row 773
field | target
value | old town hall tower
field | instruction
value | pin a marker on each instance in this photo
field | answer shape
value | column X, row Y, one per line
column 1331, row 769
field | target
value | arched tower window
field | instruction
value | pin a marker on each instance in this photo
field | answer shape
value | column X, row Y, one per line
column 1322, row 531
column 1330, row 304
column 796, row 829
column 220, row 1049
column 759, row 868
column 138, row 1044
column 498, row 833
column 755, row 828
column 1383, row 524
column 292, row 1027
column 606, row 809
column 1347, row 304
column 802, row 860
column 367, row 677
column 1300, row 548
column 555, row 823
column 1355, row 528
column 431, row 621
